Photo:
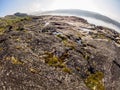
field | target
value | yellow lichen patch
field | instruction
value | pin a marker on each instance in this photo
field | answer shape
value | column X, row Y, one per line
column 94, row 81
column 33, row 70
column 15, row 61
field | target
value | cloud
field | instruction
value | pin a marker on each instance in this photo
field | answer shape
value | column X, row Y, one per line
column 74, row 4
column 29, row 5
column 38, row 5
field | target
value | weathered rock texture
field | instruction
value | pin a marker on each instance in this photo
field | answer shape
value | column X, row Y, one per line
column 57, row 53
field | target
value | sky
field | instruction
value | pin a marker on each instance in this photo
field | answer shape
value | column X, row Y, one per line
column 109, row 8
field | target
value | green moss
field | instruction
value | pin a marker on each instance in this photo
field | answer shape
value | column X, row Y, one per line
column 67, row 42
column 10, row 21
column 57, row 62
column 70, row 44
column 53, row 61
column 2, row 29
column 67, row 70
column 94, row 81
column 13, row 21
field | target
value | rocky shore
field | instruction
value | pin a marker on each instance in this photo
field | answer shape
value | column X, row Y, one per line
column 57, row 53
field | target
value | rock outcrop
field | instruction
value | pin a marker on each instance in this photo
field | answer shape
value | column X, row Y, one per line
column 57, row 53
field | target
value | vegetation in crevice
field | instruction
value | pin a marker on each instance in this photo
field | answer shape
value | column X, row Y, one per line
column 67, row 42
column 92, row 78
column 14, row 60
column 57, row 62
column 100, row 36
column 63, row 38
column 70, row 44
column 2, row 30
column 94, row 81
column 67, row 70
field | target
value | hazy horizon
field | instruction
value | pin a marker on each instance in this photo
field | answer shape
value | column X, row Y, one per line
column 108, row 8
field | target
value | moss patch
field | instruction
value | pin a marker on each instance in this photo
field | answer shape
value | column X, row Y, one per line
column 67, row 70
column 2, row 29
column 16, row 22
column 53, row 60
column 57, row 62
column 70, row 44
column 67, row 42
column 94, row 81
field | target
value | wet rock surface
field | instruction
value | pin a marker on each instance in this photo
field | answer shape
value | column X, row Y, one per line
column 57, row 53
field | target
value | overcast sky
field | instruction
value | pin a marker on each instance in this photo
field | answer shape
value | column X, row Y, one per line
column 106, row 7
